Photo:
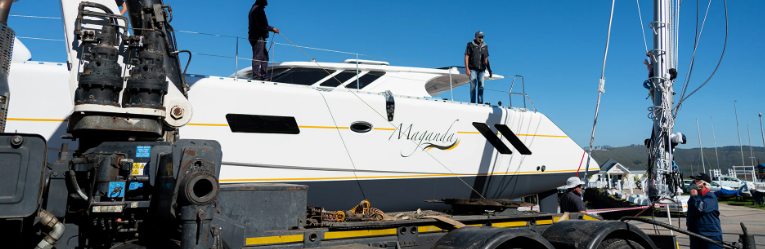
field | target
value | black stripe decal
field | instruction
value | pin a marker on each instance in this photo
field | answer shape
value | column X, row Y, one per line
column 492, row 138
column 514, row 140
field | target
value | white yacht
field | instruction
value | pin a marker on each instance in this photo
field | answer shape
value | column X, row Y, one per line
column 352, row 130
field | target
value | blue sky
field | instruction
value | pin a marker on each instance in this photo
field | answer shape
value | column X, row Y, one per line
column 556, row 45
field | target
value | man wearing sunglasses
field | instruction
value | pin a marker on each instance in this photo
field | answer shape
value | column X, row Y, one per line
column 571, row 201
column 476, row 62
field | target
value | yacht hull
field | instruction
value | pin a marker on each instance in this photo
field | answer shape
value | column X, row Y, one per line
column 406, row 194
column 430, row 150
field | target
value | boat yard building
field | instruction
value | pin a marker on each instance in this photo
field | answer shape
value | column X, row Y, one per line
column 615, row 175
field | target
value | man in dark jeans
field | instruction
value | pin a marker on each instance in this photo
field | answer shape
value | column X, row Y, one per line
column 258, row 33
column 476, row 62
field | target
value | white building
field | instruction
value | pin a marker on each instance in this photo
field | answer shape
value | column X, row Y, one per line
column 615, row 175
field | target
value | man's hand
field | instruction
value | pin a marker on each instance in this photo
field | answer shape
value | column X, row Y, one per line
column 694, row 192
column 467, row 72
column 490, row 74
column 276, row 30
column 124, row 9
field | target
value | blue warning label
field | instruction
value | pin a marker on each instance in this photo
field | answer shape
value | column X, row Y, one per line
column 116, row 189
column 143, row 151
column 135, row 185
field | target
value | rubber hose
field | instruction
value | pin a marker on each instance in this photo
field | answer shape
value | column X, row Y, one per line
column 73, row 180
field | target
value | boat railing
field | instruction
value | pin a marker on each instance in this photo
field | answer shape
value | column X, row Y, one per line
column 510, row 93
column 236, row 57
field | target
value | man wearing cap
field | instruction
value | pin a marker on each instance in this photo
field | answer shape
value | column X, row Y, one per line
column 476, row 62
column 571, row 201
column 703, row 213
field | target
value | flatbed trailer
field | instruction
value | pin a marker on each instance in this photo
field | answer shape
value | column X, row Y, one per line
column 188, row 208
column 516, row 229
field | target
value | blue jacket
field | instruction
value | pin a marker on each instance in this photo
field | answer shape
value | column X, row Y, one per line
column 704, row 215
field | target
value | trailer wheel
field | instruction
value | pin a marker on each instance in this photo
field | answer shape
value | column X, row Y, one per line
column 492, row 238
column 619, row 243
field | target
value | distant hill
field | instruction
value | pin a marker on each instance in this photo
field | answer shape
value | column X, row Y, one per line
column 635, row 157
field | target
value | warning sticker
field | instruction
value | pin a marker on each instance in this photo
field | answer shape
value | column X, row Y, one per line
column 143, row 151
column 116, row 189
column 138, row 169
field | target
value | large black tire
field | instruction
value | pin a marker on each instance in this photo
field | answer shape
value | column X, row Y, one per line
column 619, row 243
column 155, row 245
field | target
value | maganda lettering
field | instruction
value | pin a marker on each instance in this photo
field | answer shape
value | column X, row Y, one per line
column 426, row 139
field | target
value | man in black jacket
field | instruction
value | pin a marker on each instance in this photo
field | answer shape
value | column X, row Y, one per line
column 476, row 62
column 258, row 33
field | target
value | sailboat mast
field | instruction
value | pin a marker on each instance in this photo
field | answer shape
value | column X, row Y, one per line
column 701, row 148
column 762, row 131
column 751, row 154
column 715, row 139
column 738, row 129
column 660, row 156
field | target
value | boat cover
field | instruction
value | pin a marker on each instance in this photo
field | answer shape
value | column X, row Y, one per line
column 726, row 193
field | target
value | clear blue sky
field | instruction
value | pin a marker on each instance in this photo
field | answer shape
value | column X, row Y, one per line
column 556, row 45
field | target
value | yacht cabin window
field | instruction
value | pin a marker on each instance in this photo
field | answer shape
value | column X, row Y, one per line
column 340, row 78
column 366, row 79
column 262, row 124
column 273, row 72
column 302, row 76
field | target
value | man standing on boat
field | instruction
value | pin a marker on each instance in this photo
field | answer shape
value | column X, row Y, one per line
column 571, row 201
column 123, row 5
column 703, row 213
column 476, row 62
column 258, row 33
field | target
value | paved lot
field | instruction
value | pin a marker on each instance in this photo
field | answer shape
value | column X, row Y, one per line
column 730, row 217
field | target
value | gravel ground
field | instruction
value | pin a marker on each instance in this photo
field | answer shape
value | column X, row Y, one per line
column 730, row 217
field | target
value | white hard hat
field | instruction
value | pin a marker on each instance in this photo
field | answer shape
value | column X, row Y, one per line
column 573, row 182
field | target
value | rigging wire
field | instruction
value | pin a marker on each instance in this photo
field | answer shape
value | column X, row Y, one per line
column 237, row 37
column 38, row 17
column 35, row 38
column 725, row 46
column 601, row 90
column 693, row 57
column 378, row 113
column 312, row 48
column 347, row 152
column 641, row 25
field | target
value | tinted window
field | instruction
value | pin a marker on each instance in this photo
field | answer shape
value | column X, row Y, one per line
column 262, row 124
column 302, row 76
column 341, row 77
column 366, row 79
column 275, row 72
